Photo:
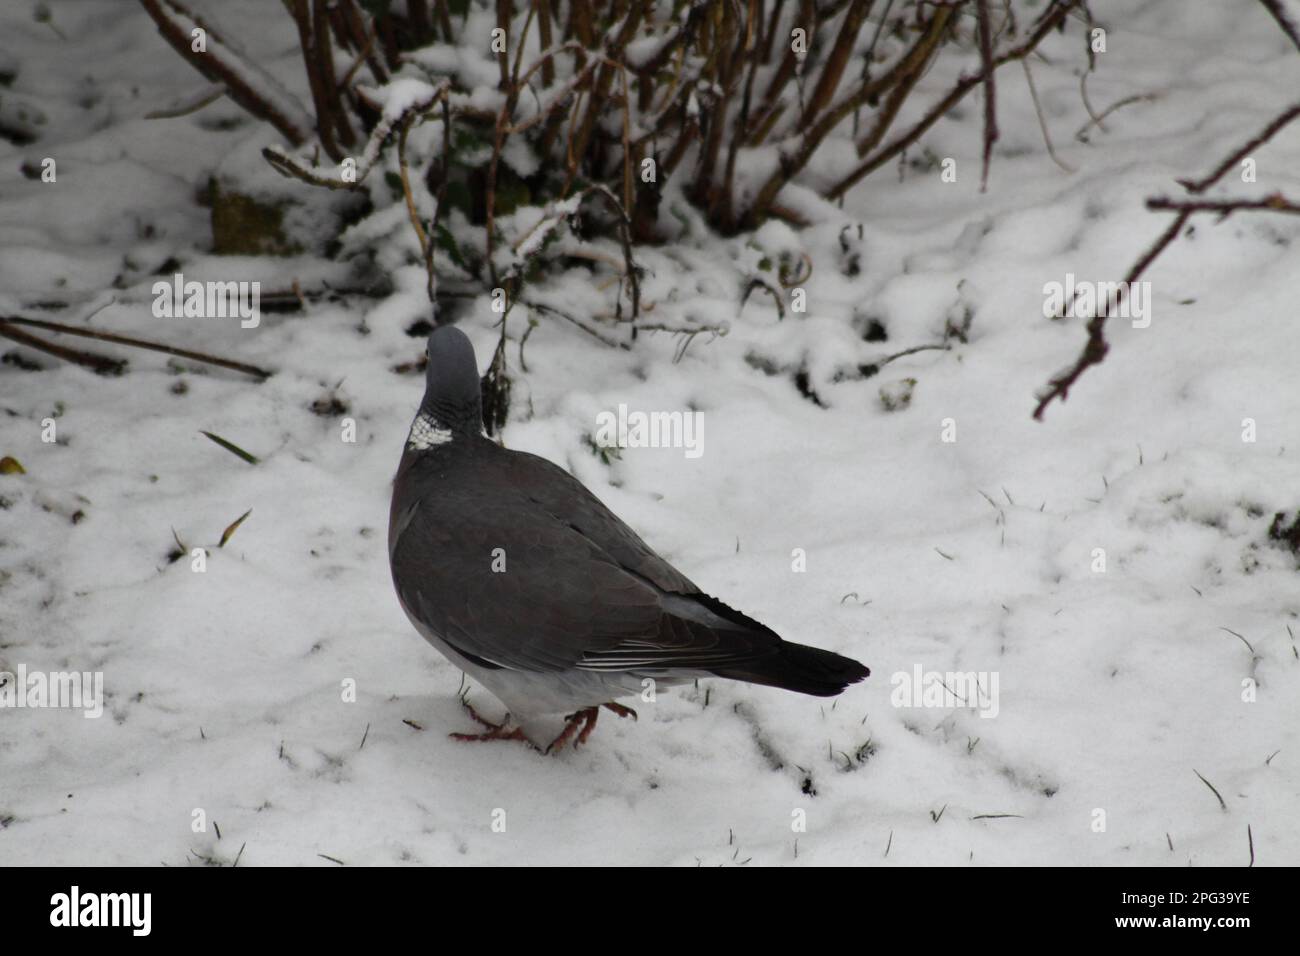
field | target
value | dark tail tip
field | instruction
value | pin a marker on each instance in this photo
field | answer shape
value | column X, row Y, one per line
column 803, row 669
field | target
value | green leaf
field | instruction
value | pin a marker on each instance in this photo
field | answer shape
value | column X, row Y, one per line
column 230, row 447
column 394, row 182
column 447, row 242
column 458, row 197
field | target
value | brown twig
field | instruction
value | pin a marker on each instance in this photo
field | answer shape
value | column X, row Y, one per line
column 1213, row 789
column 91, row 360
column 888, row 111
column 175, row 22
column 562, row 96
column 594, row 333
column 363, row 38
column 1042, row 120
column 426, row 244
column 905, row 70
column 723, row 74
column 757, row 282
column 688, row 335
column 543, row 8
column 912, row 351
column 363, row 56
column 1096, row 346
column 441, row 199
column 1095, row 119
column 323, row 49
column 806, row 19
column 103, row 364
column 1274, row 202
column 503, row 58
column 605, row 78
column 291, row 166
column 749, row 48
column 869, row 57
column 1268, row 132
column 990, row 91
column 831, row 73
column 321, row 92
column 625, row 235
column 443, row 9
column 1050, row 19
column 191, row 104
column 1283, row 20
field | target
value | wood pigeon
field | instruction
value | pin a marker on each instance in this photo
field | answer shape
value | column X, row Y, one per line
column 519, row 575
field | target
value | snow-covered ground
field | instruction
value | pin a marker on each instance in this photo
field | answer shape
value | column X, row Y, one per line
column 225, row 690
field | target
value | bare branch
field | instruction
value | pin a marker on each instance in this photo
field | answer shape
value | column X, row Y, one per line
column 1283, row 20
column 191, row 103
column 91, row 360
column 101, row 363
column 1096, row 119
column 1051, row 18
column 1096, row 347
column 990, row 93
column 329, row 176
column 247, row 83
column 1042, row 120
column 1274, row 202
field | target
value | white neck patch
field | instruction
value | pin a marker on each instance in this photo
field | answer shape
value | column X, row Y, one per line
column 426, row 434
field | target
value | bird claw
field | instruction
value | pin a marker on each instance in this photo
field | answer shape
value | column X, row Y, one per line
column 578, row 727
column 621, row 710
column 478, row 718
column 586, row 720
column 501, row 731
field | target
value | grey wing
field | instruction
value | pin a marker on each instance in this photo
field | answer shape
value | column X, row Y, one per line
column 695, row 631
column 568, row 500
column 542, row 602
column 578, row 588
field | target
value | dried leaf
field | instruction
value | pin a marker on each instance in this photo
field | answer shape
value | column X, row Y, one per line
column 234, row 526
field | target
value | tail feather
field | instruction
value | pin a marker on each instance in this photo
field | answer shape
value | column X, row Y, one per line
column 803, row 669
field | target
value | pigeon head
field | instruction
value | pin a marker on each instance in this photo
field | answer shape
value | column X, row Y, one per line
column 451, row 393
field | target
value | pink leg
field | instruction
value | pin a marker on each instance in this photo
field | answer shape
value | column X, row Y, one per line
column 585, row 718
column 620, row 709
column 501, row 731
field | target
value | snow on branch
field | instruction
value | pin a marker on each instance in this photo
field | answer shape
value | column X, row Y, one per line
column 404, row 102
column 218, row 59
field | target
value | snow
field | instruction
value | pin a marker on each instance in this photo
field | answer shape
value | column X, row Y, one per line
column 226, row 689
column 403, row 94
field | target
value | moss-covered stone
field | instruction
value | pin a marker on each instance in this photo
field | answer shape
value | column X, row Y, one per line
column 245, row 226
